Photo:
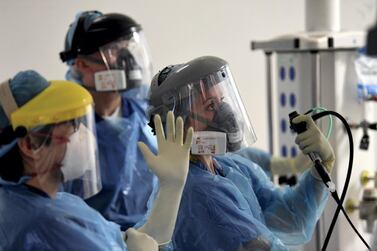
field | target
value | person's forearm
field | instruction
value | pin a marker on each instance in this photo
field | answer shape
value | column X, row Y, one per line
column 283, row 166
column 161, row 222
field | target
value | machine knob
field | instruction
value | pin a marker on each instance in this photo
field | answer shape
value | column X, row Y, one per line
column 365, row 177
column 351, row 206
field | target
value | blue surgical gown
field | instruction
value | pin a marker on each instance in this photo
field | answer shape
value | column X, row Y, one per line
column 241, row 207
column 30, row 220
column 259, row 157
column 127, row 182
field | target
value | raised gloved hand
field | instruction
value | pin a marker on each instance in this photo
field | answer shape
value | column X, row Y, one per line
column 283, row 166
column 171, row 167
column 313, row 141
column 138, row 241
column 172, row 161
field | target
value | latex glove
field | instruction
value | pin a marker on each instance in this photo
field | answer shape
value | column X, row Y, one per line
column 313, row 141
column 171, row 167
column 138, row 241
column 283, row 166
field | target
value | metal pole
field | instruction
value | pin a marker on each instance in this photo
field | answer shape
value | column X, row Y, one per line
column 269, row 101
column 316, row 79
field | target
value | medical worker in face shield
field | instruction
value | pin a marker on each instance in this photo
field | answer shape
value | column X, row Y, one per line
column 108, row 55
column 47, row 137
column 229, row 203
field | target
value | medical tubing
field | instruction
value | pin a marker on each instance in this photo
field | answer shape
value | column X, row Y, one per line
column 346, row 183
column 336, row 198
column 348, row 176
column 315, row 109
column 322, row 173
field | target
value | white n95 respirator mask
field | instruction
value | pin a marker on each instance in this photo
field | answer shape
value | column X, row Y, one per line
column 80, row 156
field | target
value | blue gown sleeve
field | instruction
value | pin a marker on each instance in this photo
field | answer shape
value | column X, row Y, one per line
column 258, row 156
column 60, row 234
column 290, row 212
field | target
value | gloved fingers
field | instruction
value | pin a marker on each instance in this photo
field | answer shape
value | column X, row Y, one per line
column 303, row 136
column 159, row 130
column 304, row 118
column 310, row 149
column 139, row 241
column 302, row 162
column 316, row 145
column 189, row 135
column 307, row 142
column 147, row 153
column 281, row 166
column 170, row 127
column 179, row 131
column 130, row 232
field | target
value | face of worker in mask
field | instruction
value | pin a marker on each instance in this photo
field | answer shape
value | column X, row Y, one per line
column 88, row 66
column 67, row 149
column 124, row 72
column 205, row 106
column 208, row 101
column 44, row 150
column 212, row 113
column 117, row 66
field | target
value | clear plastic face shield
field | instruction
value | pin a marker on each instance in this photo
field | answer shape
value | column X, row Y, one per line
column 217, row 114
column 127, row 64
column 65, row 152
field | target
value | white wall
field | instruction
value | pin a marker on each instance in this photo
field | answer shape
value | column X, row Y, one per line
column 33, row 31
